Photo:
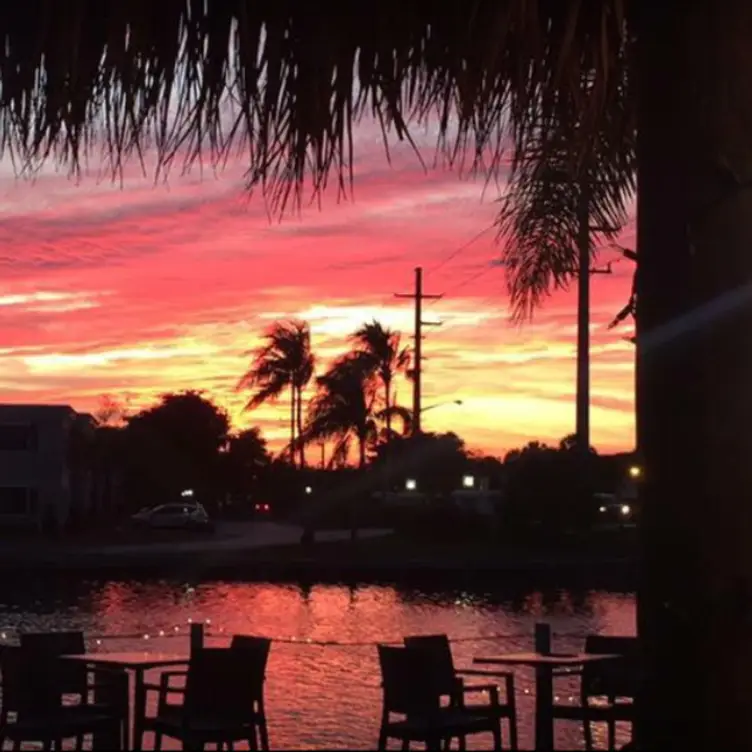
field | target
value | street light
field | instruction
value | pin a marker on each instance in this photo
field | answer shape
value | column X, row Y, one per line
column 635, row 471
column 440, row 404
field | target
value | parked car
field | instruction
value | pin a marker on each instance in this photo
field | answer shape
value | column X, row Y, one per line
column 174, row 517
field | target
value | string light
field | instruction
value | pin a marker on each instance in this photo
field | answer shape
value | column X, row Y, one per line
column 177, row 631
column 11, row 633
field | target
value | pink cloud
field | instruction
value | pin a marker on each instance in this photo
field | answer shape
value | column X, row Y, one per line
column 145, row 288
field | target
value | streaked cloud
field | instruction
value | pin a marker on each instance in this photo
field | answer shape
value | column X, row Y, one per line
column 148, row 288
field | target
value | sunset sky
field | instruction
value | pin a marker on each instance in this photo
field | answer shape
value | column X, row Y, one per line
column 138, row 289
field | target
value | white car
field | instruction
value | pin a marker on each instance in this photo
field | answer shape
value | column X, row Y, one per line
column 174, row 516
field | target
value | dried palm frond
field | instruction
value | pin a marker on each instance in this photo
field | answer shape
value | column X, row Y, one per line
column 189, row 80
column 630, row 309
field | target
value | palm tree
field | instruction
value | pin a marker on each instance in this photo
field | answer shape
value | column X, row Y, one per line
column 494, row 72
column 343, row 409
column 382, row 357
column 284, row 361
column 553, row 216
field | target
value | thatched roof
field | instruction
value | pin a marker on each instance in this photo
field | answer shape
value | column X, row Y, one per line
column 285, row 81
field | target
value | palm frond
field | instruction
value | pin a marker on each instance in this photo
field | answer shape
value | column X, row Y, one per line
column 555, row 186
column 196, row 82
column 269, row 392
column 284, row 359
column 628, row 310
column 343, row 404
column 404, row 414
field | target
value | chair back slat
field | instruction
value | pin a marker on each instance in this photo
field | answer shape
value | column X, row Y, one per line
column 617, row 678
column 31, row 684
column 49, row 646
column 407, row 684
column 439, row 661
column 11, row 676
column 221, row 685
column 259, row 648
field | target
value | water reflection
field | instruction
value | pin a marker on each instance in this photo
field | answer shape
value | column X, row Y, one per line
column 325, row 697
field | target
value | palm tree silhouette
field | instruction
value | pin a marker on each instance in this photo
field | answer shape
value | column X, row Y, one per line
column 555, row 212
column 381, row 355
column 343, row 409
column 284, row 361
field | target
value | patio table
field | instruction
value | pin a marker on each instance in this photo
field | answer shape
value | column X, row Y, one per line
column 136, row 664
column 544, row 665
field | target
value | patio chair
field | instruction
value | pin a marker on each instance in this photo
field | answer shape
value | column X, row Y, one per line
column 33, row 687
column 261, row 647
column 410, row 692
column 612, row 684
column 105, row 688
column 219, row 701
column 449, row 680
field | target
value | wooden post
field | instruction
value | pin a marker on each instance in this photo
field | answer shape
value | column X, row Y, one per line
column 544, row 691
column 197, row 637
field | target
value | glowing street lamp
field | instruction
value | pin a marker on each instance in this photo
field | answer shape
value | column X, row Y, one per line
column 308, row 490
column 411, row 484
column 468, row 481
column 635, row 471
column 187, row 494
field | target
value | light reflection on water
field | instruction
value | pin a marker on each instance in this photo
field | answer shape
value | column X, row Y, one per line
column 327, row 697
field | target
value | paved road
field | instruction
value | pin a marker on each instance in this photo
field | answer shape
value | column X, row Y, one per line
column 233, row 536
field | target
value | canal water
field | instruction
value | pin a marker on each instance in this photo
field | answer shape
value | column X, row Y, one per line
column 323, row 697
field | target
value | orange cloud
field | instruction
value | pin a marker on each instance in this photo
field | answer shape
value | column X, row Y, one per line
column 143, row 289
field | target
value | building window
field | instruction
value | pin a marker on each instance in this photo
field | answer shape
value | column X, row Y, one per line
column 14, row 500
column 18, row 438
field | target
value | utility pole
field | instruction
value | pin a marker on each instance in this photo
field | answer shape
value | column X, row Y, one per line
column 584, row 270
column 582, row 410
column 418, row 296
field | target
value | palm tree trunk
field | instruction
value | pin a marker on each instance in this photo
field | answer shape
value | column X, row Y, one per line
column 361, row 452
column 362, row 468
column 388, row 406
column 300, row 424
column 694, row 371
column 292, row 423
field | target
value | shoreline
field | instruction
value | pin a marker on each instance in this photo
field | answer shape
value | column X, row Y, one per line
column 325, row 562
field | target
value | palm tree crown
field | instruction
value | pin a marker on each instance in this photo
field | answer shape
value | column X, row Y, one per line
column 283, row 361
column 382, row 356
column 343, row 408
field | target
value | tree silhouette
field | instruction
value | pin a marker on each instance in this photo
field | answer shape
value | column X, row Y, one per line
column 110, row 411
column 382, row 356
column 247, row 457
column 571, row 443
column 343, row 409
column 175, row 445
column 283, row 361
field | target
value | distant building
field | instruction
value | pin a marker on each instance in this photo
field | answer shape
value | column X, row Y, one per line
column 46, row 469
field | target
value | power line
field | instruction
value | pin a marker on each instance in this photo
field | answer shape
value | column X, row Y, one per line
column 468, row 280
column 453, row 254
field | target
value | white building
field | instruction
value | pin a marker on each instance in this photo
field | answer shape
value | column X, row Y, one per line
column 44, row 474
